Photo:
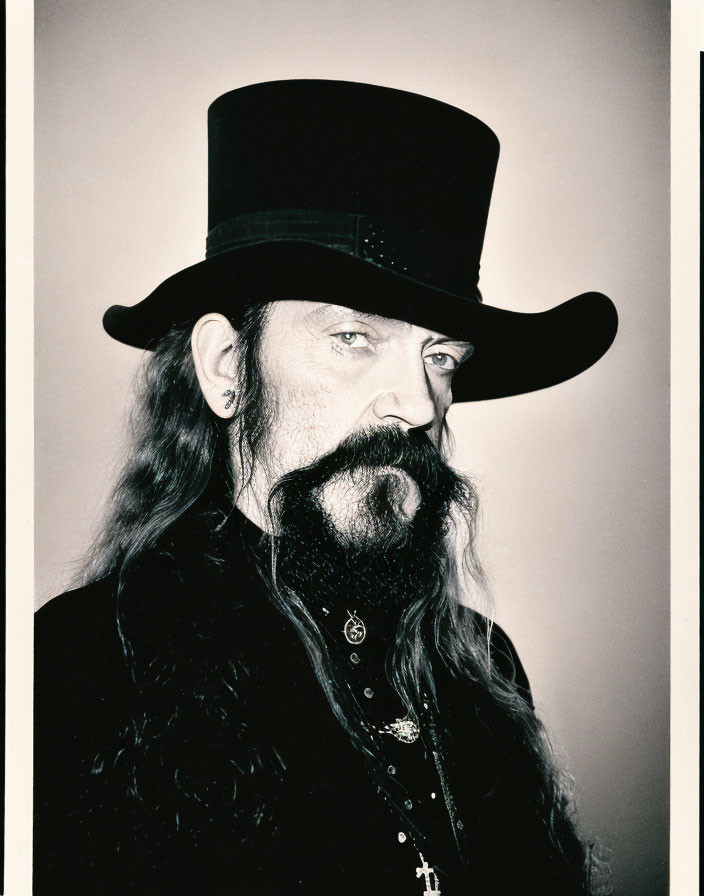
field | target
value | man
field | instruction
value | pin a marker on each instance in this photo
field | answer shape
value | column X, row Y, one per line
column 272, row 682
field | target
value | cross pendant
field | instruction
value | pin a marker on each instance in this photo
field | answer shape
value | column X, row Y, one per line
column 431, row 887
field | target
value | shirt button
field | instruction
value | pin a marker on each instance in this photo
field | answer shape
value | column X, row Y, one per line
column 401, row 837
column 368, row 692
column 391, row 770
column 355, row 658
column 460, row 826
column 408, row 804
column 432, row 795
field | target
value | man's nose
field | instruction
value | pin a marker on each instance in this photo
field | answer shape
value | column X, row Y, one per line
column 406, row 398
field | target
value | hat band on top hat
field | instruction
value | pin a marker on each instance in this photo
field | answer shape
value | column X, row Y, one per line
column 417, row 255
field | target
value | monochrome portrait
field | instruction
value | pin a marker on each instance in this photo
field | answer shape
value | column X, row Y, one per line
column 351, row 449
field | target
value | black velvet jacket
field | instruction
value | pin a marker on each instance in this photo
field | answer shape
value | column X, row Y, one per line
column 305, row 816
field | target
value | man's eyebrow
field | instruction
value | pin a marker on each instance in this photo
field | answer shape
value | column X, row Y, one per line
column 329, row 313
column 462, row 344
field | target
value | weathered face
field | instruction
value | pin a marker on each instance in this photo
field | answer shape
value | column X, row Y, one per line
column 333, row 372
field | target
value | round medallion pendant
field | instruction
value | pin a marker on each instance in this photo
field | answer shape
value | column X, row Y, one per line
column 354, row 629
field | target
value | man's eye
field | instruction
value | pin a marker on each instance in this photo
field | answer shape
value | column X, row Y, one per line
column 442, row 360
column 358, row 340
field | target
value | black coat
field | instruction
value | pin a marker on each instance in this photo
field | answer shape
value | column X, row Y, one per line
column 325, row 828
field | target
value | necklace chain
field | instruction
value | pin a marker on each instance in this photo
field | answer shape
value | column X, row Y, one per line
column 407, row 731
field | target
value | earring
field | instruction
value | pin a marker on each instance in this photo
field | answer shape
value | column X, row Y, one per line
column 230, row 396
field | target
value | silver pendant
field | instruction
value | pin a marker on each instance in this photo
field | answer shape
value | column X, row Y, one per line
column 405, row 730
column 354, row 629
column 431, row 886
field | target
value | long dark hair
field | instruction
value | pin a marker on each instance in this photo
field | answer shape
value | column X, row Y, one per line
column 179, row 449
column 179, row 468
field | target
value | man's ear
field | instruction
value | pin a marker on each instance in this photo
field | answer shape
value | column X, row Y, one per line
column 214, row 346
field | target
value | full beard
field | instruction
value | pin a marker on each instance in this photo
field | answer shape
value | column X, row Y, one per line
column 367, row 524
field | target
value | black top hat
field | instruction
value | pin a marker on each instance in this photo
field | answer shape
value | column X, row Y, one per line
column 371, row 198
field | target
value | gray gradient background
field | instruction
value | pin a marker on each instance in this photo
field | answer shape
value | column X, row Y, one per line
column 574, row 480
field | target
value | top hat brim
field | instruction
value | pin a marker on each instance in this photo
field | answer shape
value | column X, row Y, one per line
column 514, row 352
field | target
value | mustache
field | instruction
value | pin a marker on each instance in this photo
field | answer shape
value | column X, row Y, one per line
column 411, row 452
